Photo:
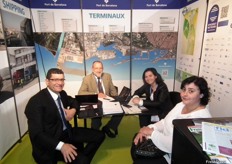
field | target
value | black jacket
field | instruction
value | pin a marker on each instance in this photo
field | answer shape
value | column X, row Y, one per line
column 161, row 103
column 44, row 123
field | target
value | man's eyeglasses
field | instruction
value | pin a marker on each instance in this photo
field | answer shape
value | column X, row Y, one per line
column 57, row 80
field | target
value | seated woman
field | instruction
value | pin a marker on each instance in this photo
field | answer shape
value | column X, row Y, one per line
column 157, row 96
column 195, row 97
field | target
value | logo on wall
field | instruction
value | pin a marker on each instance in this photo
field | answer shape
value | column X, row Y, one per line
column 55, row 1
column 213, row 19
column 107, row 4
column 156, row 1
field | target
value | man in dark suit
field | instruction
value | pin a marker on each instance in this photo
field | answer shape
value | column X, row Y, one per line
column 101, row 83
column 52, row 137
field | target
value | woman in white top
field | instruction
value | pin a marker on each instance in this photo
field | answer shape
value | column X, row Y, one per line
column 195, row 97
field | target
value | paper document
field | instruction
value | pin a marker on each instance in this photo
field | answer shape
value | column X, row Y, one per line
column 111, row 107
column 217, row 138
column 133, row 109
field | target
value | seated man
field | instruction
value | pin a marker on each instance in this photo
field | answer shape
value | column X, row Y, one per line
column 101, row 83
column 52, row 137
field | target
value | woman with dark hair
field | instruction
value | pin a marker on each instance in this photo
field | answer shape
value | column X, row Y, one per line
column 195, row 96
column 157, row 97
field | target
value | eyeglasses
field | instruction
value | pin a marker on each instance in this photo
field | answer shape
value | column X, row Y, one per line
column 57, row 80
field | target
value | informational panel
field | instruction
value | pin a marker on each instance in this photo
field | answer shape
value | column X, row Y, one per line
column 190, row 36
column 216, row 64
column 22, row 62
column 154, row 39
column 57, row 29
column 9, row 131
column 56, row 16
column 107, row 37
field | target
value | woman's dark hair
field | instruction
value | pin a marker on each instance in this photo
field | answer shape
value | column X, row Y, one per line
column 153, row 70
column 53, row 71
column 202, row 85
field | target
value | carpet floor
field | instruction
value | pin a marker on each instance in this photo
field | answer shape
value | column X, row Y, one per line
column 113, row 151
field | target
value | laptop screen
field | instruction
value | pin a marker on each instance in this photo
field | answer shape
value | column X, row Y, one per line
column 90, row 99
column 125, row 92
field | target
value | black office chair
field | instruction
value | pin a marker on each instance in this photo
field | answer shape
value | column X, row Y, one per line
column 175, row 97
column 116, row 88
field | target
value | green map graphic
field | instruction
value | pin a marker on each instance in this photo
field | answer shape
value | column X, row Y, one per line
column 189, row 32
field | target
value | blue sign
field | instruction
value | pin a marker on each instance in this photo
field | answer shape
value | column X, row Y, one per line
column 213, row 19
column 186, row 3
column 55, row 4
column 223, row 23
column 107, row 4
column 156, row 4
column 21, row 2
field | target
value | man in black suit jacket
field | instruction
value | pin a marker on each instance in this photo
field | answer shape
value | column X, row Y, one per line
column 53, row 139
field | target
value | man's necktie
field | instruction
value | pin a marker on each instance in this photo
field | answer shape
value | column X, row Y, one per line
column 62, row 113
column 100, row 90
column 65, row 123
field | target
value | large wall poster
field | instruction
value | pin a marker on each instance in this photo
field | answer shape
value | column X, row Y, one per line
column 154, row 36
column 21, row 54
column 191, row 28
column 9, row 132
column 8, row 136
column 59, row 40
column 189, row 31
column 2, row 38
column 107, row 37
column 216, row 63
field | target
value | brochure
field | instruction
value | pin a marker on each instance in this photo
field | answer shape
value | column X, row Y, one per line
column 217, row 139
column 196, row 131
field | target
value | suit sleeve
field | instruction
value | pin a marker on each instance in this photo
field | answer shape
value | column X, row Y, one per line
column 139, row 92
column 85, row 87
column 36, row 124
column 161, row 98
column 69, row 101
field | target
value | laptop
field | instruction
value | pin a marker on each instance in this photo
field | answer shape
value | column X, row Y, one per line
column 124, row 96
column 87, row 99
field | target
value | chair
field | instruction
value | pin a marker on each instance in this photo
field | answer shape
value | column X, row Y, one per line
column 175, row 97
column 116, row 89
